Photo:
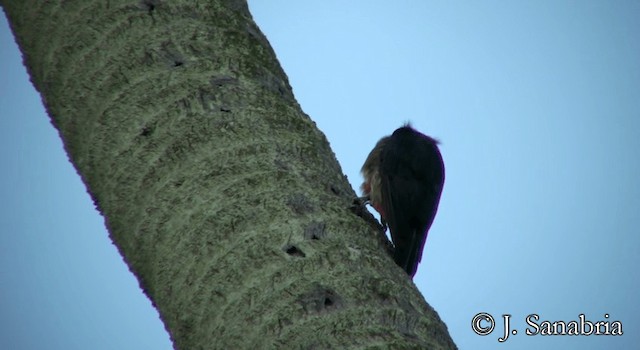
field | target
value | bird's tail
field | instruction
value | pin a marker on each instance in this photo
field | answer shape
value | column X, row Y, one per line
column 409, row 254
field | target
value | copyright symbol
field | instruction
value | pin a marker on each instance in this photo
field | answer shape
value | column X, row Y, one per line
column 476, row 323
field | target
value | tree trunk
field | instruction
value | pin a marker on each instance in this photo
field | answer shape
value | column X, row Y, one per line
column 222, row 196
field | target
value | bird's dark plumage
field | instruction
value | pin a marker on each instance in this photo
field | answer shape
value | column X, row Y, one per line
column 411, row 177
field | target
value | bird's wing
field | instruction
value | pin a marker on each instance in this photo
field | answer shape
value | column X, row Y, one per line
column 411, row 185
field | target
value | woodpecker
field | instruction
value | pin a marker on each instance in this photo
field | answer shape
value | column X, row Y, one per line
column 403, row 180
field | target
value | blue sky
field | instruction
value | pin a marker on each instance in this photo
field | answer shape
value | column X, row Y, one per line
column 537, row 106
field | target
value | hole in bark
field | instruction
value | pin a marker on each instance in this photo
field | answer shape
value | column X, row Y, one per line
column 328, row 302
column 149, row 5
column 294, row 251
column 146, row 131
column 320, row 299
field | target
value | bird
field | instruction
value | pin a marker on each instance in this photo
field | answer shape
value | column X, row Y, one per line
column 403, row 180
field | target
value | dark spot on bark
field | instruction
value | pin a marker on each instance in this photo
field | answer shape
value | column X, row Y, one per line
column 315, row 230
column 149, row 6
column 294, row 251
column 299, row 204
column 222, row 81
column 320, row 299
column 146, row 131
column 225, row 109
column 170, row 53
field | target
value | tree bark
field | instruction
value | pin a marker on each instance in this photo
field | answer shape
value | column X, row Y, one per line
column 222, row 196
